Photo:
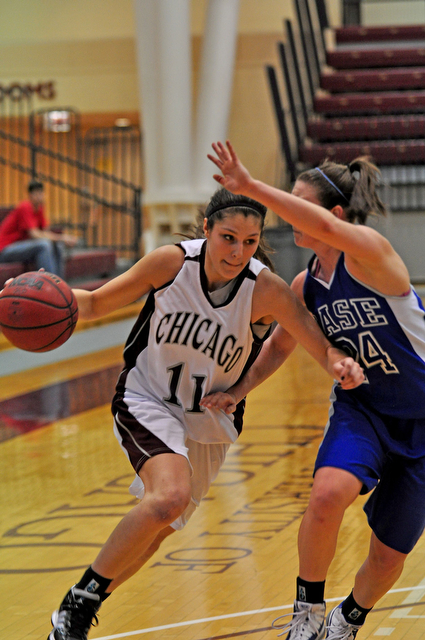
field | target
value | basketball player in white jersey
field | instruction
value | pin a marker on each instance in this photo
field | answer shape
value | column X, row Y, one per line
column 209, row 308
column 358, row 289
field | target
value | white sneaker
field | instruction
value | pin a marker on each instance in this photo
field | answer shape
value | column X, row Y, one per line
column 308, row 622
column 337, row 627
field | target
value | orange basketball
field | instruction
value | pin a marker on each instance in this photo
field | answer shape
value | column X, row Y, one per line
column 38, row 311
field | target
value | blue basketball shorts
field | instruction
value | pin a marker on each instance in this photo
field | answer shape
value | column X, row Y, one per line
column 388, row 456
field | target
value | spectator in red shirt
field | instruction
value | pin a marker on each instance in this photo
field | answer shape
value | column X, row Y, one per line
column 24, row 236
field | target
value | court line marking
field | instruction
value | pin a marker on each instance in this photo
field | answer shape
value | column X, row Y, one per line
column 239, row 614
column 411, row 599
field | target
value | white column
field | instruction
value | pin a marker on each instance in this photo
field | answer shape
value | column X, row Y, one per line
column 164, row 64
column 215, row 87
column 176, row 98
column 148, row 75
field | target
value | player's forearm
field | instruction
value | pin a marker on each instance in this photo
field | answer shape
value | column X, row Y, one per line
column 334, row 361
column 273, row 354
column 85, row 304
column 316, row 344
column 310, row 217
column 258, row 373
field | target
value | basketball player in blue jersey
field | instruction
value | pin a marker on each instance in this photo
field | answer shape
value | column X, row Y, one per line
column 209, row 308
column 358, row 289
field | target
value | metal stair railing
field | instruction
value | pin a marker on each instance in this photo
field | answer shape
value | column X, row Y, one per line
column 105, row 214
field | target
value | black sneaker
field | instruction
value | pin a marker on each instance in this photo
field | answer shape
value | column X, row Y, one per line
column 74, row 617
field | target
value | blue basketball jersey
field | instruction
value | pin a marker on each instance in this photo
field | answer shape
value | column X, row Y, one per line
column 385, row 334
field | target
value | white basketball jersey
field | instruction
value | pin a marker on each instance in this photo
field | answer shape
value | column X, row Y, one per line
column 184, row 346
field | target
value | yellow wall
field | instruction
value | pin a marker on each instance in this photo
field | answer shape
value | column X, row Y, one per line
column 32, row 21
column 87, row 48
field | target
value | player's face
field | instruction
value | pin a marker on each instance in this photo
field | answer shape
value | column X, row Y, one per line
column 307, row 192
column 231, row 243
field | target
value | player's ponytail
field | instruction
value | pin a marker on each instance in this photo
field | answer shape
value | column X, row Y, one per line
column 353, row 186
column 364, row 199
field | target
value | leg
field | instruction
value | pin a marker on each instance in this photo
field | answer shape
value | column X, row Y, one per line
column 40, row 251
column 167, row 494
column 166, row 479
column 397, row 516
column 379, row 572
column 332, row 492
column 376, row 576
column 138, row 564
column 206, row 461
column 59, row 257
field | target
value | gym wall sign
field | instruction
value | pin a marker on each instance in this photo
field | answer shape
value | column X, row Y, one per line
column 17, row 91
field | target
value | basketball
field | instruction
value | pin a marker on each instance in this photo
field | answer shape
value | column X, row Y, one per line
column 38, row 311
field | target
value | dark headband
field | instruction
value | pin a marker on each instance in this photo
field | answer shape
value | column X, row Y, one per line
column 237, row 203
column 333, row 184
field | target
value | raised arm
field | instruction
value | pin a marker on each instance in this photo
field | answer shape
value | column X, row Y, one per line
column 307, row 216
column 372, row 257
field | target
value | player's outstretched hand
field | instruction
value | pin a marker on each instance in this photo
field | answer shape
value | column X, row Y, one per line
column 220, row 401
column 349, row 373
column 235, row 177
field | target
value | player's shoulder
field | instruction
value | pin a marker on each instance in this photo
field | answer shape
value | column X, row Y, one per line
column 169, row 257
column 269, row 284
column 270, row 293
column 160, row 265
column 271, row 288
column 256, row 267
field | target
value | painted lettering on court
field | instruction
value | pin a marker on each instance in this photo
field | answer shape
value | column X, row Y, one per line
column 204, row 559
column 68, row 531
column 74, row 531
column 269, row 514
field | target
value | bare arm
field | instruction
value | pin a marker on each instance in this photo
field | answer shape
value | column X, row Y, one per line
column 273, row 297
column 275, row 351
column 296, row 324
column 307, row 216
column 152, row 271
column 369, row 255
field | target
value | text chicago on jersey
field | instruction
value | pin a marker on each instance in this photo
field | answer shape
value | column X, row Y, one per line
column 187, row 328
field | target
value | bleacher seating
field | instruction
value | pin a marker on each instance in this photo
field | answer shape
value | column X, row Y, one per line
column 85, row 268
column 372, row 98
column 358, row 34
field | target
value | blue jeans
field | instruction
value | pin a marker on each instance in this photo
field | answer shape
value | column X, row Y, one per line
column 42, row 252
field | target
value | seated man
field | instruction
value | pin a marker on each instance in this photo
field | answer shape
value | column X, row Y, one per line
column 24, row 236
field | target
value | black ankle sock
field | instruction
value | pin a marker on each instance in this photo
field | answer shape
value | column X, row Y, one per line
column 313, row 592
column 352, row 612
column 104, row 596
column 93, row 582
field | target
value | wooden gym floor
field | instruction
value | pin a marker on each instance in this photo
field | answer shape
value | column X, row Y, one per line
column 230, row 572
